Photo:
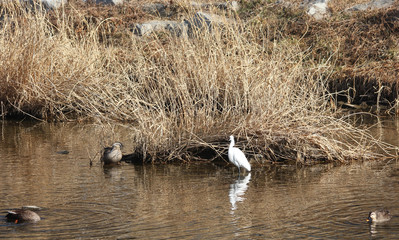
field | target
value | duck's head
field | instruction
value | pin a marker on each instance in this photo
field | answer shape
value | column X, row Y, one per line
column 372, row 217
column 117, row 145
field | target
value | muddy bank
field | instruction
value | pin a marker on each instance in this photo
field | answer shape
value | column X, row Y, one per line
column 360, row 93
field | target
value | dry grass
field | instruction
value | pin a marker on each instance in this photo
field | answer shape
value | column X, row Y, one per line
column 181, row 97
column 361, row 45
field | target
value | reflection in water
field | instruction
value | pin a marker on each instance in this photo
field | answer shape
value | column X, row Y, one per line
column 237, row 190
column 113, row 172
column 373, row 228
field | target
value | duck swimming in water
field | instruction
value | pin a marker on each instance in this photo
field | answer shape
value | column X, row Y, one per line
column 112, row 155
column 382, row 215
column 22, row 215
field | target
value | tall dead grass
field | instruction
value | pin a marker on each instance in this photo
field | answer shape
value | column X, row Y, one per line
column 181, row 97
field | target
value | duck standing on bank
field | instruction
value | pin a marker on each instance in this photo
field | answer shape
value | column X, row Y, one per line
column 112, row 155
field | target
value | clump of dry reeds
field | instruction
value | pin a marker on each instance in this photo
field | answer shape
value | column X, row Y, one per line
column 181, row 97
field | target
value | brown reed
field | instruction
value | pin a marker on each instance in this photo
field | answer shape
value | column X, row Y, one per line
column 181, row 97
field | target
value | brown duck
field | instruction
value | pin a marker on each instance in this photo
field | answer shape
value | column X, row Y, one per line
column 112, row 155
column 382, row 215
column 22, row 215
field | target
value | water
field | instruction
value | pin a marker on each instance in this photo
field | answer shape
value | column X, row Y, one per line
column 195, row 201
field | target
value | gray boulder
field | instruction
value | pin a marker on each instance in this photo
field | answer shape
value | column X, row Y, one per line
column 53, row 4
column 38, row 4
column 107, row 2
column 199, row 22
column 374, row 4
column 205, row 21
column 159, row 26
column 317, row 8
column 233, row 5
column 158, row 9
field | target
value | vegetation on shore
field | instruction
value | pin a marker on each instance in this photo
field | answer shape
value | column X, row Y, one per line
column 264, row 79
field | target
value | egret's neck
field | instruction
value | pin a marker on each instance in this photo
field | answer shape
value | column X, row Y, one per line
column 232, row 143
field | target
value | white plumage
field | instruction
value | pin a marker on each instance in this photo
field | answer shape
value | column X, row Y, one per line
column 237, row 157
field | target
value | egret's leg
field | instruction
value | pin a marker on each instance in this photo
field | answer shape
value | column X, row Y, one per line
column 238, row 178
column 239, row 171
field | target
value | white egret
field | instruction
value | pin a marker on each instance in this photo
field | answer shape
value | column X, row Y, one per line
column 237, row 157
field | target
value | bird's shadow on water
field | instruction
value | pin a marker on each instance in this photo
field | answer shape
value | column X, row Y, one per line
column 237, row 190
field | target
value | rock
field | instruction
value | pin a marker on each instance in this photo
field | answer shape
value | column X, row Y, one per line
column 201, row 21
column 374, row 4
column 46, row 4
column 317, row 8
column 159, row 26
column 233, row 5
column 107, row 2
column 158, row 9
column 53, row 4
column 197, row 23
column 286, row 4
column 63, row 152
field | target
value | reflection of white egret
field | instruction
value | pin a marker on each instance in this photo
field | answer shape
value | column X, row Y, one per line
column 237, row 190
column 237, row 157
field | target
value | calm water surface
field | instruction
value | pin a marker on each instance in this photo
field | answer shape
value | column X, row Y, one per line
column 194, row 201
